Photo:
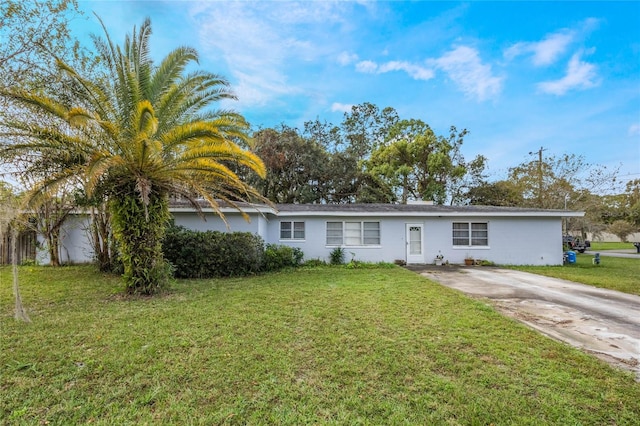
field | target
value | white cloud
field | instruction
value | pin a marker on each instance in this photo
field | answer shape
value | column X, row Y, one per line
column 550, row 49
column 367, row 67
column 338, row 107
column 580, row 75
column 262, row 42
column 414, row 71
column 346, row 58
column 545, row 52
column 466, row 70
column 634, row 129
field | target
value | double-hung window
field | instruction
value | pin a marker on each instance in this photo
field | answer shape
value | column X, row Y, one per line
column 353, row 233
column 470, row 234
column 292, row 230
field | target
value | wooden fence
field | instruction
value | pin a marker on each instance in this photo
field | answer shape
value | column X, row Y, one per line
column 25, row 248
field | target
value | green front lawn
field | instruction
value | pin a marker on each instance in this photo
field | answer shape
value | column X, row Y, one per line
column 598, row 246
column 311, row 346
column 613, row 272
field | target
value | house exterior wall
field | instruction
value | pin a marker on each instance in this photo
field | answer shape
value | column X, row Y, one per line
column 314, row 246
column 511, row 240
column 75, row 245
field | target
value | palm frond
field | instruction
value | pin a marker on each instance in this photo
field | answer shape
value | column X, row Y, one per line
column 169, row 72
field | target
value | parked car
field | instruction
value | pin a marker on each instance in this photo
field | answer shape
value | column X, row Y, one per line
column 576, row 243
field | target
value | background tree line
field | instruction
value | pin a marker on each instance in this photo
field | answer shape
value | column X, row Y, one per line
column 372, row 156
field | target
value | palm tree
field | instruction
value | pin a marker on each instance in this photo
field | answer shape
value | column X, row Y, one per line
column 137, row 134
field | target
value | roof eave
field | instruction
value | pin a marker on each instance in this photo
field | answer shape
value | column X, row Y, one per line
column 560, row 214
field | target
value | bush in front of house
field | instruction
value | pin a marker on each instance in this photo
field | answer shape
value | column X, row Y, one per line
column 278, row 257
column 209, row 254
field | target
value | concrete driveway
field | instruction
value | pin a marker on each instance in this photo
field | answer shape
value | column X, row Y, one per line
column 603, row 322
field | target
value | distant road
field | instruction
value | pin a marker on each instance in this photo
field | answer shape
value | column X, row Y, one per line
column 630, row 254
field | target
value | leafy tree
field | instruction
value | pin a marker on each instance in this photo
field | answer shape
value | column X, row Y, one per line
column 549, row 182
column 621, row 229
column 365, row 128
column 362, row 129
column 418, row 164
column 295, row 166
column 632, row 196
column 499, row 193
column 324, row 134
column 138, row 134
column 29, row 30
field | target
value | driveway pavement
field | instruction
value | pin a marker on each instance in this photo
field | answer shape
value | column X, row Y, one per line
column 603, row 322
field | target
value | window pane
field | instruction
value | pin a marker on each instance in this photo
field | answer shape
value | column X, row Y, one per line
column 479, row 234
column 298, row 230
column 352, row 234
column 460, row 234
column 285, row 230
column 371, row 233
column 415, row 240
column 334, row 233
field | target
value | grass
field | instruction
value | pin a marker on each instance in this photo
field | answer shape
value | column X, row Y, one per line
column 614, row 273
column 323, row 345
column 602, row 246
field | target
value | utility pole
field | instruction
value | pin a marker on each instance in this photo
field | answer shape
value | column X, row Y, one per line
column 540, row 180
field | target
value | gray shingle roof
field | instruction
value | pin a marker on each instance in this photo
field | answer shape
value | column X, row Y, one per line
column 417, row 209
column 402, row 208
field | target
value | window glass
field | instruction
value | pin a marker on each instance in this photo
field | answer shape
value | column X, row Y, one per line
column 352, row 233
column 415, row 240
column 460, row 234
column 292, row 230
column 470, row 234
column 285, row 230
column 298, row 230
column 371, row 233
column 334, row 233
column 479, row 234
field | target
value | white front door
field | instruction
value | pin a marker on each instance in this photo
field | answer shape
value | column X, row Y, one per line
column 414, row 243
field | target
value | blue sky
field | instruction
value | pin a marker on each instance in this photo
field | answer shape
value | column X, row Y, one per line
column 518, row 75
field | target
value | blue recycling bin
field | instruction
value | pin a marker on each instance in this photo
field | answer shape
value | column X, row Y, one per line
column 571, row 257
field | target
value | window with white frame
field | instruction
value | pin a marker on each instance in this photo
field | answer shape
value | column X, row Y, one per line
column 353, row 233
column 292, row 230
column 470, row 234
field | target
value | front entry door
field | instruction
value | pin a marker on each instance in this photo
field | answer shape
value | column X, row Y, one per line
column 414, row 243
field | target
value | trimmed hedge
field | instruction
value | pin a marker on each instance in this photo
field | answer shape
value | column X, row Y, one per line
column 209, row 254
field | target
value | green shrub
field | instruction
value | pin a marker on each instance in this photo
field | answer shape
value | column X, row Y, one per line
column 278, row 257
column 196, row 254
column 336, row 257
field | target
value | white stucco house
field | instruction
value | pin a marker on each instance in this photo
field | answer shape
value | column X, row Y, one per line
column 415, row 233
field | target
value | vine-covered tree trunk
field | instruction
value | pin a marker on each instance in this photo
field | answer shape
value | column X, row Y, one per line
column 138, row 229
